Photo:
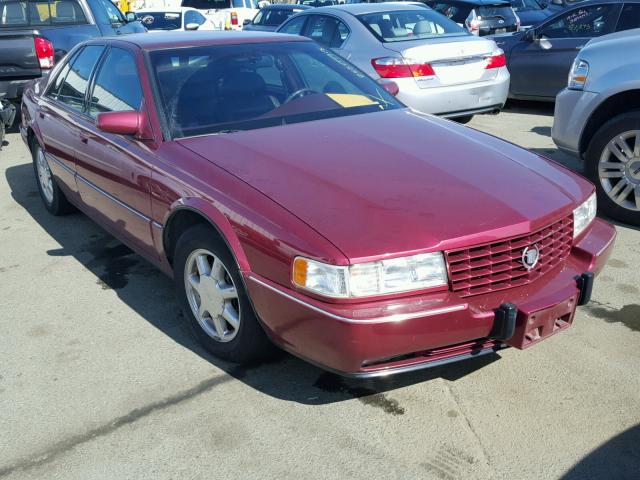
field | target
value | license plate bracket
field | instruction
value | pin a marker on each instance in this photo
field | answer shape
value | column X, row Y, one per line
column 535, row 325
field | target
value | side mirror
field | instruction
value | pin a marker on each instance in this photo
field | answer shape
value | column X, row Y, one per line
column 130, row 17
column 122, row 123
column 246, row 22
column 558, row 2
column 191, row 26
column 530, row 35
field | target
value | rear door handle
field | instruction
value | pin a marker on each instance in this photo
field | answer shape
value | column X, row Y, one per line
column 42, row 114
column 84, row 139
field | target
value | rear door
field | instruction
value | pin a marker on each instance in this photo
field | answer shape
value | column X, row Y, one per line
column 539, row 66
column 60, row 113
column 113, row 177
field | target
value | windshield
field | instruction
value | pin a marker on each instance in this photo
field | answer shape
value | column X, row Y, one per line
column 397, row 26
column 209, row 4
column 223, row 88
column 318, row 3
column 161, row 20
column 274, row 17
column 496, row 11
column 524, row 5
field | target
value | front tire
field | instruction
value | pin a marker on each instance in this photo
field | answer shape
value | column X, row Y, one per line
column 213, row 298
column 613, row 164
column 50, row 193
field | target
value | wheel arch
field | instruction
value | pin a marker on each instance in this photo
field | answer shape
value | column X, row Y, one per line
column 613, row 106
column 189, row 213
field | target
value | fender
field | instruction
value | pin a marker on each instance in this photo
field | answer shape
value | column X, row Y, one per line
column 216, row 218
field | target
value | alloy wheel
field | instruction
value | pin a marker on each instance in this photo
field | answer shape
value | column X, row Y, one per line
column 619, row 169
column 44, row 176
column 212, row 295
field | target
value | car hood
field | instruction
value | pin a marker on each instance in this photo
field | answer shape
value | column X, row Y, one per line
column 397, row 182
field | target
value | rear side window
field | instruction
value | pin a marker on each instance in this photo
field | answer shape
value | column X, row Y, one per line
column 73, row 89
column 161, row 20
column 630, row 17
column 41, row 12
column 117, row 86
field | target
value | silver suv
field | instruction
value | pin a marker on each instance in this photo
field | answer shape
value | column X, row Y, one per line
column 597, row 117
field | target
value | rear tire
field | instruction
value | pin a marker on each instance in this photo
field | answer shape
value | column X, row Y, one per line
column 464, row 120
column 617, row 181
column 52, row 197
column 213, row 298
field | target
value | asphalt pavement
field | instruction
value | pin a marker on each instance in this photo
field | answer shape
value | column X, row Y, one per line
column 99, row 379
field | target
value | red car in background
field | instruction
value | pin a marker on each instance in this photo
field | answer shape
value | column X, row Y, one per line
column 293, row 199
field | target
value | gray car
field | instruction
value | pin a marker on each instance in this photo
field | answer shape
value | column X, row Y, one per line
column 597, row 118
column 431, row 63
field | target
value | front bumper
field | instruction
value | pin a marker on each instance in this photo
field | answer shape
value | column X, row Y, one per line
column 572, row 111
column 391, row 336
column 456, row 100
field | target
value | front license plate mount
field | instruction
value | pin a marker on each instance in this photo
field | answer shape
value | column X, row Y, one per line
column 533, row 326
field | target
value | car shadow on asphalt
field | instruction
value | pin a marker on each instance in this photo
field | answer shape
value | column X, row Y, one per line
column 150, row 294
column 617, row 458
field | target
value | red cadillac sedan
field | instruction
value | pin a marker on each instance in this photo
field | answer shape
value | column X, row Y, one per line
column 296, row 202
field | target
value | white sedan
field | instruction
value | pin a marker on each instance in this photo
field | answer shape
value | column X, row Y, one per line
column 177, row 19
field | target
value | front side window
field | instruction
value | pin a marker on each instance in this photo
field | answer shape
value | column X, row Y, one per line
column 40, row 12
column 326, row 31
column 294, row 27
column 583, row 22
column 161, row 20
column 110, row 13
column 630, row 17
column 74, row 86
column 117, row 86
column 221, row 88
column 398, row 26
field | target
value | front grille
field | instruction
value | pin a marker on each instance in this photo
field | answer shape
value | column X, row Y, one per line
column 497, row 266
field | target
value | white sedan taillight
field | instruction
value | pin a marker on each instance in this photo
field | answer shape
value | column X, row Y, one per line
column 392, row 67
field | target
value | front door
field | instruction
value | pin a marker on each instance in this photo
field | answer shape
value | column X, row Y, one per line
column 112, row 175
column 539, row 66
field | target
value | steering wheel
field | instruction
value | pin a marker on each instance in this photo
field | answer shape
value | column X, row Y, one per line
column 299, row 93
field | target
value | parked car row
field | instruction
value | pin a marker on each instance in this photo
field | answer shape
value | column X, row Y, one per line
column 295, row 202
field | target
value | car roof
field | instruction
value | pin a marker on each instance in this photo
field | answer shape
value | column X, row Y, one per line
column 163, row 10
column 479, row 3
column 286, row 6
column 363, row 8
column 168, row 40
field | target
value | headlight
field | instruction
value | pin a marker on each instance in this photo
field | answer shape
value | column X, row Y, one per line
column 373, row 278
column 578, row 74
column 584, row 215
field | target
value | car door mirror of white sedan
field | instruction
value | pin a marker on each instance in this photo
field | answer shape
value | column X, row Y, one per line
column 191, row 26
column 246, row 22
